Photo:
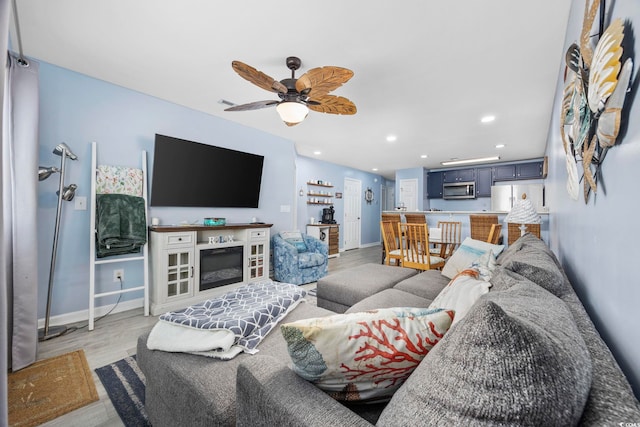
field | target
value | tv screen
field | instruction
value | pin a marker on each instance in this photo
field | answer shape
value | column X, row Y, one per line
column 191, row 174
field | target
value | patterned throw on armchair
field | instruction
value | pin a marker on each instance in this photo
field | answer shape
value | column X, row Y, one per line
column 298, row 258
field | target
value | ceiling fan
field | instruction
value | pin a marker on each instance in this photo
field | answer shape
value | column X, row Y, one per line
column 297, row 96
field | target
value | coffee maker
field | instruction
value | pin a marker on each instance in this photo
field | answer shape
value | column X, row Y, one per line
column 327, row 215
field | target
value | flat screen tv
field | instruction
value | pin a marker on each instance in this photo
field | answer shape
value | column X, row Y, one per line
column 191, row 174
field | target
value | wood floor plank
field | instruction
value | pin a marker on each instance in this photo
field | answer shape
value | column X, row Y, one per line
column 115, row 337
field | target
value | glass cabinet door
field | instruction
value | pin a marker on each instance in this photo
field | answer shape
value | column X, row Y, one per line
column 257, row 264
column 179, row 272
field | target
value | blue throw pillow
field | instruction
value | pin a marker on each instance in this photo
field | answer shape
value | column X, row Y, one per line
column 295, row 238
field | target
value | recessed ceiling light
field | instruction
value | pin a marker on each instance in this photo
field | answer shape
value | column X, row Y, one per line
column 317, row 153
column 391, row 138
column 499, row 145
column 374, row 169
column 465, row 161
column 424, row 156
column 487, row 119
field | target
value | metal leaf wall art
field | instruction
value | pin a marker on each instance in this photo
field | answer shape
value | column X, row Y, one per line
column 595, row 86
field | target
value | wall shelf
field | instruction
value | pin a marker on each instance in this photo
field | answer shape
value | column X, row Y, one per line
column 319, row 185
column 316, row 196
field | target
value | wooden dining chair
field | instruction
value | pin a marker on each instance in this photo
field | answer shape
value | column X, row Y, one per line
column 414, row 248
column 494, row 234
column 391, row 248
column 415, row 218
column 450, row 232
column 395, row 218
column 480, row 225
column 513, row 231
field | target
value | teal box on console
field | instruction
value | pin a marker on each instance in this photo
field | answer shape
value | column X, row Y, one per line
column 215, row 221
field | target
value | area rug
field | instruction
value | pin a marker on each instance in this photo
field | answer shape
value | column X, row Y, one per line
column 125, row 384
column 50, row 388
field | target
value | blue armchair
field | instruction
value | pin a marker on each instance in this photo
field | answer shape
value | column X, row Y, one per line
column 299, row 259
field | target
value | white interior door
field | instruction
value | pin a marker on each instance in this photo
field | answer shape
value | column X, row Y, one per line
column 409, row 194
column 352, row 213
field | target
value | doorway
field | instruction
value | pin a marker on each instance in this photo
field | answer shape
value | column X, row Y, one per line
column 352, row 214
column 388, row 197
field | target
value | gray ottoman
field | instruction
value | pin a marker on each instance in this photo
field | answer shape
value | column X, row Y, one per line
column 339, row 291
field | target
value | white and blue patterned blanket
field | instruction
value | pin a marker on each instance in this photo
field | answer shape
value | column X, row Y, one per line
column 225, row 326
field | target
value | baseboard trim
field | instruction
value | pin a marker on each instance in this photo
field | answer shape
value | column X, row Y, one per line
column 83, row 315
column 368, row 245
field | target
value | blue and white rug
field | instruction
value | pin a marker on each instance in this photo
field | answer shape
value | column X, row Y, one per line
column 125, row 385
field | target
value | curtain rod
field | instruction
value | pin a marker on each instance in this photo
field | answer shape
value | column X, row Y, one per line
column 21, row 60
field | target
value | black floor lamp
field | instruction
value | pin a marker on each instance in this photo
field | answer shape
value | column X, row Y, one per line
column 64, row 193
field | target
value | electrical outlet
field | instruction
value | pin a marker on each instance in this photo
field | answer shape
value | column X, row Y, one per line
column 118, row 275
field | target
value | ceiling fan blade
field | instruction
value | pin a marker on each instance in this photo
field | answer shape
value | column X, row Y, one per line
column 258, row 78
column 323, row 80
column 332, row 104
column 253, row 106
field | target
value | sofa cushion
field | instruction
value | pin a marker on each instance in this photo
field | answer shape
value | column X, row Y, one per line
column 188, row 390
column 311, row 259
column 516, row 358
column 352, row 285
column 389, row 298
column 364, row 356
column 461, row 293
column 427, row 284
column 535, row 261
column 469, row 251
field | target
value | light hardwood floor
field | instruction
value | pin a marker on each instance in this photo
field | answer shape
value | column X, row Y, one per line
column 115, row 336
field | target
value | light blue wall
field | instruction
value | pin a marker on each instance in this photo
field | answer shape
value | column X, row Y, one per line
column 597, row 242
column 308, row 168
column 77, row 110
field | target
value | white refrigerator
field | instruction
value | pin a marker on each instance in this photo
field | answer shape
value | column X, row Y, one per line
column 503, row 197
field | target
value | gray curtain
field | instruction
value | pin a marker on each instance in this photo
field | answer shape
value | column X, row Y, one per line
column 4, row 344
column 18, row 235
column 20, row 204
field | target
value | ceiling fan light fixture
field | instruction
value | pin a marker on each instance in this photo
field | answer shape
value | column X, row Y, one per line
column 292, row 112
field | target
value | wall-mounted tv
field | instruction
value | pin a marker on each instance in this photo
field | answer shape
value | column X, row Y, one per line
column 192, row 174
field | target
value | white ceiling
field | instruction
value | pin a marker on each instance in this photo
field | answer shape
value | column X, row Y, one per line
column 425, row 71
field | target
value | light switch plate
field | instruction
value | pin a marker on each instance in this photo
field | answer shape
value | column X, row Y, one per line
column 81, row 203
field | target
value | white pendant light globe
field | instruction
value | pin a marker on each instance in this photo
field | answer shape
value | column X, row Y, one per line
column 292, row 112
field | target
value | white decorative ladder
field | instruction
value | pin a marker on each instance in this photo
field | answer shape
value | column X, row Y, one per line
column 94, row 262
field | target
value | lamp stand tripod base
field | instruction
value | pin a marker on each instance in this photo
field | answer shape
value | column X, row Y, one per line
column 53, row 332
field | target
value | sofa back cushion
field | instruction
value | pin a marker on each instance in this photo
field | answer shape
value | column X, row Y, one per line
column 517, row 358
column 534, row 260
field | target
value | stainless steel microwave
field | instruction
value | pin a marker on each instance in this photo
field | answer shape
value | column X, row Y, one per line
column 459, row 190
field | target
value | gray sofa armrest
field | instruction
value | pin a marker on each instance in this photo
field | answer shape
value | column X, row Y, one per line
column 269, row 393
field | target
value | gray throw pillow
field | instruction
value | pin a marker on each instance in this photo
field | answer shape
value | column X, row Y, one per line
column 517, row 358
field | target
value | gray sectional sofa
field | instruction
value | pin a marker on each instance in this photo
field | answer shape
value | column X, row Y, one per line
column 525, row 354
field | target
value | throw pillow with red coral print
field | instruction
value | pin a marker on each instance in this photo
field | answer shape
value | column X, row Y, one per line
column 364, row 356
